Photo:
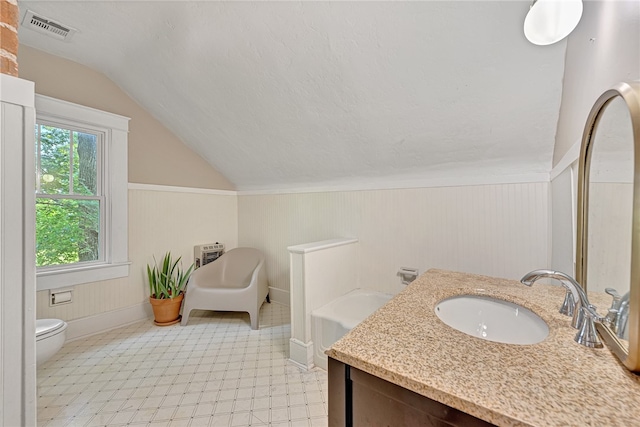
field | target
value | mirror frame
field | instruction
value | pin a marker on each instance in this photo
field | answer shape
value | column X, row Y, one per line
column 629, row 92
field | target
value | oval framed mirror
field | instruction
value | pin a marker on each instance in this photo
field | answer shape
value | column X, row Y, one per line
column 608, row 235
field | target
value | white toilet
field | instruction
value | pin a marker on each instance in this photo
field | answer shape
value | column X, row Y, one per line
column 50, row 337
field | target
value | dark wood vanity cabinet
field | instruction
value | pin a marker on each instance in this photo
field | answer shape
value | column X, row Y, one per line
column 360, row 399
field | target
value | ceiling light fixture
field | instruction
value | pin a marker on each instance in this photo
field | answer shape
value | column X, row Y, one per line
column 549, row 21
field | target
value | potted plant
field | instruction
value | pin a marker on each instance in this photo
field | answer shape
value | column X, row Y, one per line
column 166, row 285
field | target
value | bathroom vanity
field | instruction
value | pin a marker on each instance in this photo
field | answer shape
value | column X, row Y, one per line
column 403, row 366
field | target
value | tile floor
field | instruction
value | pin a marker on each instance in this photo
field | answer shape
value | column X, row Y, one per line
column 214, row 372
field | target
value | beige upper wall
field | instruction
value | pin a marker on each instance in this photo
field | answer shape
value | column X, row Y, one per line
column 593, row 66
column 156, row 155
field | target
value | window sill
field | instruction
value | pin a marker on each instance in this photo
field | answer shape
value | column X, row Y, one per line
column 54, row 279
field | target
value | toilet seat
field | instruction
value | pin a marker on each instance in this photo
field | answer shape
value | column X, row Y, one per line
column 46, row 328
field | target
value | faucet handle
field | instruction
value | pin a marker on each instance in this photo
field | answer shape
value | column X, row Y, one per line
column 568, row 306
column 615, row 303
column 588, row 336
column 612, row 292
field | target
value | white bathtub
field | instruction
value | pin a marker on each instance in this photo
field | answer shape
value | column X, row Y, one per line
column 333, row 320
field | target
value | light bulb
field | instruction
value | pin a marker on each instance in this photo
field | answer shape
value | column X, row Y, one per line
column 549, row 21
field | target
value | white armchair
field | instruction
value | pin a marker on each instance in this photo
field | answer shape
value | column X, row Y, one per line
column 237, row 281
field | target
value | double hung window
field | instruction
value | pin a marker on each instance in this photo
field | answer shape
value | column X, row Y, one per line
column 81, row 194
column 70, row 198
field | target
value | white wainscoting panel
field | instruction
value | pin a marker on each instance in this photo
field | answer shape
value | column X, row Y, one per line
column 497, row 230
column 159, row 221
column 103, row 322
column 610, row 230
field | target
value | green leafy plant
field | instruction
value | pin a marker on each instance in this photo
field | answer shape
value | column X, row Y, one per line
column 168, row 279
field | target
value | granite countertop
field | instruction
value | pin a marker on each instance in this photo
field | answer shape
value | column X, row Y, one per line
column 553, row 383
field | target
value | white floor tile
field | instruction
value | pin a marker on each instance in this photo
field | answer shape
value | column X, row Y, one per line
column 56, row 422
column 214, row 372
column 78, row 421
column 245, row 393
column 260, row 403
column 164, row 414
column 241, row 419
column 203, row 409
column 152, row 402
column 172, row 400
column 317, row 410
column 242, row 405
column 314, row 397
column 319, row 422
column 180, row 423
column 223, row 407
column 298, row 413
column 200, row 421
column 279, row 401
column 122, row 417
column 279, row 415
column 143, row 415
column 190, row 399
column 228, row 394
column 220, row 420
column 132, row 404
column 296, row 399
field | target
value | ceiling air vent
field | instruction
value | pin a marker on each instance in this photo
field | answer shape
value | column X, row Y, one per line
column 47, row 26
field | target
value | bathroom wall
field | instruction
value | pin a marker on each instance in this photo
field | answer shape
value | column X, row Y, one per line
column 174, row 218
column 563, row 227
column 160, row 219
column 603, row 50
column 499, row 230
column 156, row 156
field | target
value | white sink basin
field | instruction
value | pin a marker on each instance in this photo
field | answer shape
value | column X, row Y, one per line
column 492, row 319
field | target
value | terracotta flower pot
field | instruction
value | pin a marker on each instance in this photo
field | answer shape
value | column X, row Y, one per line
column 166, row 311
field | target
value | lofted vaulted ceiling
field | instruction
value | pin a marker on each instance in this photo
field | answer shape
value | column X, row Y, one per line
column 294, row 94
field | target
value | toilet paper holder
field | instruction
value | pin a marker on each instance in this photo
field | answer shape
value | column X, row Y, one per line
column 408, row 274
column 60, row 296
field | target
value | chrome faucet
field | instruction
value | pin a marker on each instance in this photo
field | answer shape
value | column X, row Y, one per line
column 575, row 298
column 618, row 314
column 576, row 304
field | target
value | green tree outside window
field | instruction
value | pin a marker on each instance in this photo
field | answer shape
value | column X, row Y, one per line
column 68, row 196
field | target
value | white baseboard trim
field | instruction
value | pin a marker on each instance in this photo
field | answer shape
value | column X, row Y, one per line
column 103, row 322
column 301, row 353
column 280, row 296
column 299, row 365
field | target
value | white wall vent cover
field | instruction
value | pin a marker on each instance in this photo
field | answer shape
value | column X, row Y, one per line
column 47, row 26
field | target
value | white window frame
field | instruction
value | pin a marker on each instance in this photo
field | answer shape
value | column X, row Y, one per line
column 115, row 262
